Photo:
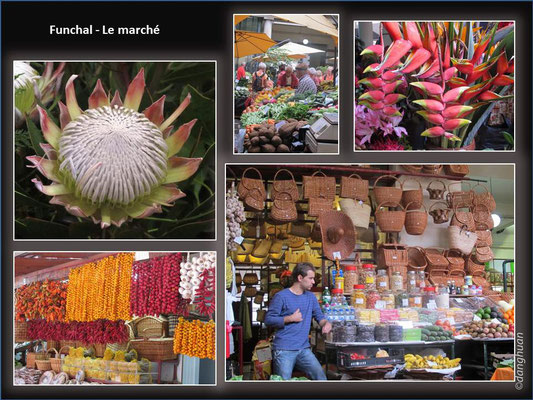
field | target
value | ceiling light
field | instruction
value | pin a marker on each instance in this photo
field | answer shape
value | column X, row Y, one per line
column 305, row 41
column 496, row 218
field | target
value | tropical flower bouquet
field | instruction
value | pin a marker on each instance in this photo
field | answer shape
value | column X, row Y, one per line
column 437, row 80
column 109, row 160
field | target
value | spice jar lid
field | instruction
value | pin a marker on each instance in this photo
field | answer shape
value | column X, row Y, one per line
column 368, row 266
column 350, row 267
column 358, row 286
column 337, row 291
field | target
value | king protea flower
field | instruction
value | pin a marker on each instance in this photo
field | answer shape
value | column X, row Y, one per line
column 112, row 162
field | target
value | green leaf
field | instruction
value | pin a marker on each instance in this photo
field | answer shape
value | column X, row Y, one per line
column 39, row 229
column 509, row 138
column 36, row 137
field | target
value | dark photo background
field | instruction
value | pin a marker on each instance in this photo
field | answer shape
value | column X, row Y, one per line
column 203, row 30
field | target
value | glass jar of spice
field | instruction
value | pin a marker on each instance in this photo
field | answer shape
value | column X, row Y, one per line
column 443, row 297
column 372, row 296
column 382, row 280
column 396, row 281
column 368, row 277
column 429, row 300
column 358, row 298
column 421, row 279
column 388, row 297
column 415, row 298
column 402, row 299
column 411, row 281
column 350, row 278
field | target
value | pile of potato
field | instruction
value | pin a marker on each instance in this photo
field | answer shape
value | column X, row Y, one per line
column 265, row 138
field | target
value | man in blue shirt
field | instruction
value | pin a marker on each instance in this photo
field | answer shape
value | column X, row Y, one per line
column 291, row 311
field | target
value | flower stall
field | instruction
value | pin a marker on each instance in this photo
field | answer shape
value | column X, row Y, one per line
column 114, row 318
column 435, row 86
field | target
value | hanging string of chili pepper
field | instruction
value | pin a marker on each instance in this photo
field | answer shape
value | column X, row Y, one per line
column 155, row 286
column 205, row 298
column 195, row 338
column 100, row 290
column 41, row 300
column 100, row 331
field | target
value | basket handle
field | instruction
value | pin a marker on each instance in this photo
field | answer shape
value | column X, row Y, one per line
column 61, row 349
column 445, row 272
column 408, row 204
column 439, row 181
column 389, row 176
column 474, row 214
column 319, row 172
column 283, row 170
column 458, row 272
column 383, row 202
column 413, row 179
column 439, row 202
column 356, row 176
column 460, row 182
column 56, row 355
column 483, row 186
column 253, row 169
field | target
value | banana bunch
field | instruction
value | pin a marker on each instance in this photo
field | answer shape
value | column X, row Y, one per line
column 431, row 362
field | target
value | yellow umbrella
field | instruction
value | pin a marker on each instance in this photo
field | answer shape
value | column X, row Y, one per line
column 248, row 43
column 239, row 18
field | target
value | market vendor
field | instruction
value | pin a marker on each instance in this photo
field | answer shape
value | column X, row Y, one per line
column 288, row 78
column 305, row 82
column 291, row 311
column 259, row 78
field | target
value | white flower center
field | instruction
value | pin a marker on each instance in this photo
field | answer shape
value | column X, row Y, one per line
column 114, row 154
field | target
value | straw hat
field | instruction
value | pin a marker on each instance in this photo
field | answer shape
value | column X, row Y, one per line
column 338, row 234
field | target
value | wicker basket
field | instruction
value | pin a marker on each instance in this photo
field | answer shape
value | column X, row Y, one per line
column 289, row 186
column 433, row 169
column 45, row 364
column 172, row 322
column 412, row 168
column 460, row 199
column 463, row 219
column 154, row 349
column 318, row 205
column 99, row 349
column 392, row 255
column 55, row 362
column 319, row 186
column 412, row 198
column 456, row 260
column 150, row 327
column 484, row 254
column 486, row 198
column 479, row 279
column 440, row 215
column 458, row 277
column 390, row 220
column 21, row 331
column 416, row 220
column 436, row 193
column 484, row 238
column 354, row 187
column 459, row 170
column 435, row 260
column 33, row 356
column 482, row 217
column 439, row 277
column 473, row 267
column 250, row 278
column 283, row 208
column 416, row 259
column 69, row 343
column 388, row 195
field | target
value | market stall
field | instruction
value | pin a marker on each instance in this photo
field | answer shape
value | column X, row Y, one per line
column 286, row 97
column 405, row 287
column 114, row 318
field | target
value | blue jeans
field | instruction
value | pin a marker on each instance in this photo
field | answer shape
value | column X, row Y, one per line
column 304, row 360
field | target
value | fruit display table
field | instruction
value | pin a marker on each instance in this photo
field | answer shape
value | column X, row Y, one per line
column 337, row 353
column 490, row 342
